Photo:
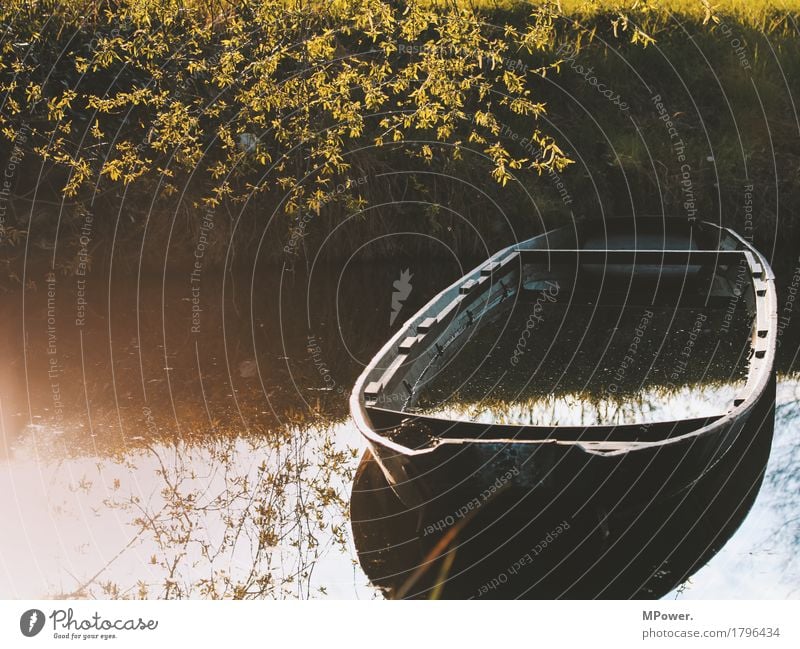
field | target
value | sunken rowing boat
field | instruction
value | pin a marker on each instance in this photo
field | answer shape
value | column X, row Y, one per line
column 609, row 362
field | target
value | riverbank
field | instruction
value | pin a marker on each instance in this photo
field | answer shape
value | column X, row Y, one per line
column 179, row 152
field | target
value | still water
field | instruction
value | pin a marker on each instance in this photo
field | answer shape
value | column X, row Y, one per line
column 170, row 438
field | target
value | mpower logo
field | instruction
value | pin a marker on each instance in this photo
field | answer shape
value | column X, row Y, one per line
column 67, row 625
column 31, row 622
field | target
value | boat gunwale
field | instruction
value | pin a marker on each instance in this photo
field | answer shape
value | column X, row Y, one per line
column 758, row 374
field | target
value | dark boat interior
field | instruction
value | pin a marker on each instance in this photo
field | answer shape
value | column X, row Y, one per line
column 641, row 329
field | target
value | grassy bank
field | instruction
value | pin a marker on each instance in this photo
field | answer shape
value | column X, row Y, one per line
column 282, row 129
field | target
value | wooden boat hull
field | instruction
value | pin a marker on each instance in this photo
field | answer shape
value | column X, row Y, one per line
column 605, row 466
column 453, row 474
column 639, row 552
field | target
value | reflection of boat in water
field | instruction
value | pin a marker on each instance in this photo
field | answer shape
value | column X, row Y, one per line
column 536, row 366
column 516, row 544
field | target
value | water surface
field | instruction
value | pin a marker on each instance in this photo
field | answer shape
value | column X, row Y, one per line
column 163, row 442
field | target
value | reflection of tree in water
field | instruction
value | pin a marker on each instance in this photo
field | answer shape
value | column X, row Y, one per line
column 229, row 518
column 658, row 403
column 220, row 450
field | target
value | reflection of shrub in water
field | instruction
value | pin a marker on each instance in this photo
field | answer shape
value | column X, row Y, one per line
column 589, row 365
column 234, row 518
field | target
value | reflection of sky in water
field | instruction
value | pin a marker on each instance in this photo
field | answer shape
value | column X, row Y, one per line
column 760, row 560
column 71, row 521
column 64, row 481
column 62, row 533
column 652, row 405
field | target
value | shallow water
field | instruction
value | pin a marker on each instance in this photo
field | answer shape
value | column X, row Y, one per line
column 142, row 457
column 557, row 362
